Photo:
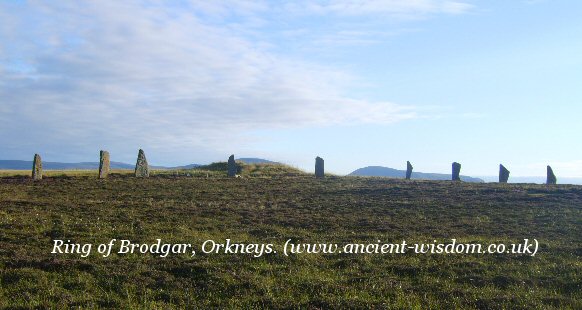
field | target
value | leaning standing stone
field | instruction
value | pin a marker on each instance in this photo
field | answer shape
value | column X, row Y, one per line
column 231, row 167
column 408, row 170
column 37, row 168
column 551, row 179
column 503, row 174
column 103, row 164
column 456, row 171
column 141, row 166
column 319, row 169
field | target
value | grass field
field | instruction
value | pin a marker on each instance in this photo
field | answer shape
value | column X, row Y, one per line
column 271, row 205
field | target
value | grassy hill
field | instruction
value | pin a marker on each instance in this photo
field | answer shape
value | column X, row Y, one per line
column 270, row 205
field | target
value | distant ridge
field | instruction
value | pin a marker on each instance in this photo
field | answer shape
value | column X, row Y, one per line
column 190, row 166
column 379, row 171
column 256, row 161
column 535, row 179
column 47, row 165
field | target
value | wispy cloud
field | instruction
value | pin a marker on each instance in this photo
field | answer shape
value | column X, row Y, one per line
column 126, row 74
column 342, row 23
column 411, row 8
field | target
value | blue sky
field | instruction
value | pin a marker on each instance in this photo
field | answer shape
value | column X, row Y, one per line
column 357, row 82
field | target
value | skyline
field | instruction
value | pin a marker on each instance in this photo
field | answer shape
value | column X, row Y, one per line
column 367, row 83
column 87, row 165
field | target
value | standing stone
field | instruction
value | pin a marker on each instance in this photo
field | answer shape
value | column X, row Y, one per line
column 142, row 169
column 551, row 176
column 319, row 170
column 408, row 170
column 456, row 171
column 104, row 166
column 231, row 167
column 37, row 168
column 503, row 174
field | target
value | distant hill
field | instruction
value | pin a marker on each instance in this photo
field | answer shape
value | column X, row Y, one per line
column 378, row 171
column 15, row 164
column 534, row 179
column 26, row 165
column 190, row 166
column 256, row 161
column 47, row 165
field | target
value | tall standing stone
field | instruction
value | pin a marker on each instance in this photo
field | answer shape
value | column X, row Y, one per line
column 319, row 169
column 142, row 169
column 37, row 168
column 551, row 179
column 231, row 167
column 456, row 171
column 104, row 165
column 503, row 174
column 408, row 170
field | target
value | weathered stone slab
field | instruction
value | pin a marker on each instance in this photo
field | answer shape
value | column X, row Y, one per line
column 142, row 170
column 408, row 170
column 551, row 179
column 104, row 165
column 503, row 174
column 37, row 168
column 231, row 167
column 456, row 171
column 319, row 168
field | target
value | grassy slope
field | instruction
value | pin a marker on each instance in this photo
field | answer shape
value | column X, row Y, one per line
column 263, row 210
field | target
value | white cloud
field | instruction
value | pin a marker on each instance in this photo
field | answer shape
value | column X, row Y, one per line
column 453, row 7
column 361, row 23
column 127, row 74
column 404, row 8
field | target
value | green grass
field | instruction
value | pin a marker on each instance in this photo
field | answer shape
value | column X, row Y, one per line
column 269, row 205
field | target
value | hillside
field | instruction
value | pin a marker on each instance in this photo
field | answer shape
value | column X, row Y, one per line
column 378, row 171
column 244, row 169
